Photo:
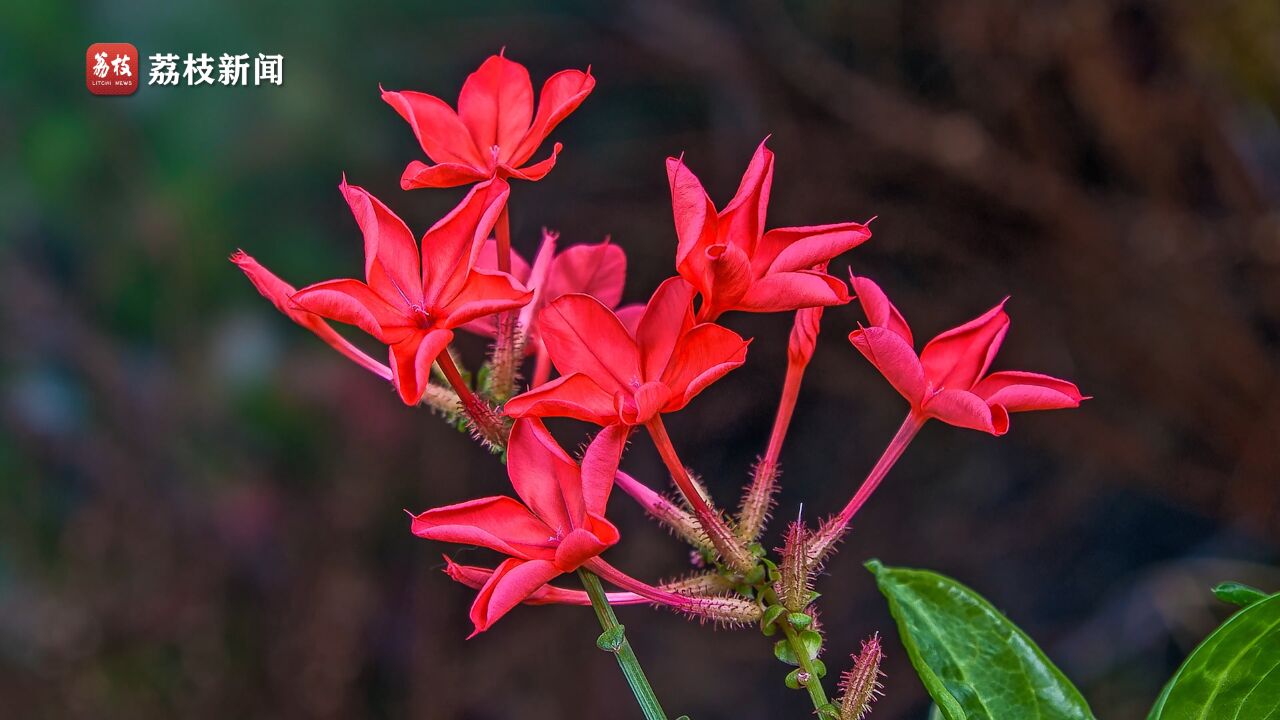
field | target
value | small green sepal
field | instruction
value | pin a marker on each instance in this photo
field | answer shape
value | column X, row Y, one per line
column 610, row 640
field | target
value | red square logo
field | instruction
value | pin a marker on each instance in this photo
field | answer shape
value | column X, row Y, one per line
column 111, row 69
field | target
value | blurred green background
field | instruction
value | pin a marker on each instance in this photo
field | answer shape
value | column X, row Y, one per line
column 201, row 504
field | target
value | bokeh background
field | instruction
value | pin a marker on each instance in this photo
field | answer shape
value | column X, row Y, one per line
column 201, row 504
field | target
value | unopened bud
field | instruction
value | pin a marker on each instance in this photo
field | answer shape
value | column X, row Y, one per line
column 667, row 512
column 486, row 425
column 861, row 684
column 723, row 610
column 757, row 501
column 795, row 583
column 444, row 401
column 707, row 583
column 505, row 356
column 830, row 533
column 804, row 335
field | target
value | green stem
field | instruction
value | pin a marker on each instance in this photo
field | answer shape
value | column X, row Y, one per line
column 814, row 683
column 614, row 640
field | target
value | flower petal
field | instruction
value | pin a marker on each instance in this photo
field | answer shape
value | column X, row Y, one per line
column 278, row 292
column 1021, row 391
column 487, row 259
column 597, row 270
column 800, row 248
column 696, row 222
column 667, row 317
column 574, row 396
column 538, row 274
column 642, row 405
column 544, row 476
column 498, row 523
column 512, row 582
column 411, row 361
column 536, row 171
column 705, row 354
column 729, row 268
column 584, row 336
column 496, row 105
column 418, row 175
column 450, row 247
column 958, row 357
column 391, row 262
column 354, row 303
column 581, row 545
column 778, row 292
column 964, row 409
column 484, row 294
column 600, row 466
column 440, row 132
column 562, row 93
column 894, row 358
column 742, row 220
column 630, row 317
column 880, row 312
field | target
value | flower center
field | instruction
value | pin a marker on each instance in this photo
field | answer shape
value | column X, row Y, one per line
column 420, row 317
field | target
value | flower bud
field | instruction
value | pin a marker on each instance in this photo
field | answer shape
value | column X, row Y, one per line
column 707, row 583
column 795, row 585
column 804, row 335
column 726, row 610
column 486, row 425
column 757, row 502
column 860, row 686
column 505, row 357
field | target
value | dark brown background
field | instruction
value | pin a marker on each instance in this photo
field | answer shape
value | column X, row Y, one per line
column 200, row 504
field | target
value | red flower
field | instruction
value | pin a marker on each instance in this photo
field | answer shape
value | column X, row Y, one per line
column 278, row 292
column 948, row 380
column 414, row 304
column 559, row 525
column 612, row 374
column 495, row 131
column 735, row 264
column 598, row 270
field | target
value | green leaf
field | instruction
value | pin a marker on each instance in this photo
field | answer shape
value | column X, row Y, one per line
column 974, row 662
column 800, row 621
column 1233, row 675
column 782, row 651
column 812, row 643
column 1235, row 593
column 770, row 617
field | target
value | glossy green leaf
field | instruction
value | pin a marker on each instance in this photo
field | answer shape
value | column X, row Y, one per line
column 1233, row 675
column 974, row 662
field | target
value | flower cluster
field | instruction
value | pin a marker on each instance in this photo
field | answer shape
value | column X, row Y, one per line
column 623, row 368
